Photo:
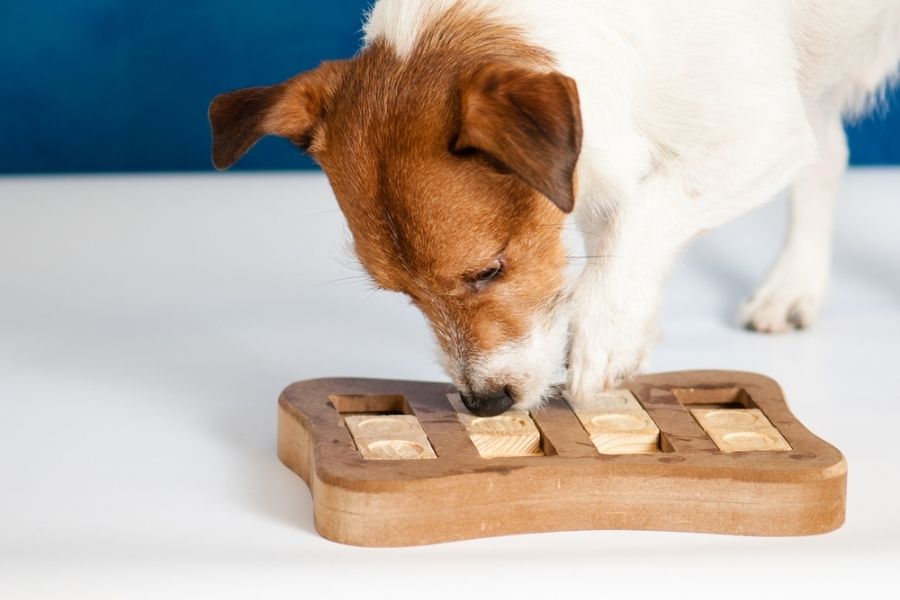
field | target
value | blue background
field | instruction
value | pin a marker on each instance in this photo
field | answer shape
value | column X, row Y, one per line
column 123, row 85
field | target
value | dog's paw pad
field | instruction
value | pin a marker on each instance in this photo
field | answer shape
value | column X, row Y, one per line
column 778, row 314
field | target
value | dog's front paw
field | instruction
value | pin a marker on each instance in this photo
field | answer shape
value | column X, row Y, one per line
column 788, row 299
column 602, row 355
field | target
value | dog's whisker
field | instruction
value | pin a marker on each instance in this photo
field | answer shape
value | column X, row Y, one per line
column 349, row 279
column 593, row 256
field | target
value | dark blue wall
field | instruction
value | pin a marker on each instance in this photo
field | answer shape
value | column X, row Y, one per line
column 123, row 85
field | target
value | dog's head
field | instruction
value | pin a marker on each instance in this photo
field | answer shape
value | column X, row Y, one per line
column 455, row 178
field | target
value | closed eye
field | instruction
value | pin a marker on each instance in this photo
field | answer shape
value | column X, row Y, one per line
column 483, row 277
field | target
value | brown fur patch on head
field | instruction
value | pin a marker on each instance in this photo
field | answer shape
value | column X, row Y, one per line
column 442, row 161
column 426, row 219
column 435, row 222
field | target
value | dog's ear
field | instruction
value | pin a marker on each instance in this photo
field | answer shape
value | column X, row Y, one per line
column 291, row 109
column 527, row 123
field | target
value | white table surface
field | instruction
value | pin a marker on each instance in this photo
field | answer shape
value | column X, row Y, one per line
column 147, row 325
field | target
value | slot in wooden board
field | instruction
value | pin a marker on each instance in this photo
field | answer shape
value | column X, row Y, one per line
column 389, row 437
column 616, row 423
column 511, row 434
column 740, row 429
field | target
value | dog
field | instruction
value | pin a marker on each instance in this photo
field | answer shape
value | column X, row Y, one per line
column 466, row 134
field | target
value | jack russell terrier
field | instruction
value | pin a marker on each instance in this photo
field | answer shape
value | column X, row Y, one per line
column 466, row 133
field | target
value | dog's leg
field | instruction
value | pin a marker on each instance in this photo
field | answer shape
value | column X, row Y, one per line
column 615, row 302
column 792, row 294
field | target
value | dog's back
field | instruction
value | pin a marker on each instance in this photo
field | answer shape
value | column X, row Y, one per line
column 847, row 50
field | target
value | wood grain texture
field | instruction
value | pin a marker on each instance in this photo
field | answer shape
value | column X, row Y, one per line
column 511, row 434
column 389, row 437
column 739, row 429
column 690, row 485
column 616, row 423
column 616, row 401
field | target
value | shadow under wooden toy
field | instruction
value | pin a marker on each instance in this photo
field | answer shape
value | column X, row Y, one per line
column 398, row 463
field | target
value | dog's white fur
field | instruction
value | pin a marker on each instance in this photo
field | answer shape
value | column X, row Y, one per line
column 694, row 112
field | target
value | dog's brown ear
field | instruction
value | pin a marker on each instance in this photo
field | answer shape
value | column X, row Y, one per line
column 291, row 109
column 529, row 123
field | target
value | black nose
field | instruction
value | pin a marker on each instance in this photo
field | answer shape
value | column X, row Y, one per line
column 488, row 404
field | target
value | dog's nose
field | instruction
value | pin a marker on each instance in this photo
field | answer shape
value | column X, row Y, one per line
column 488, row 404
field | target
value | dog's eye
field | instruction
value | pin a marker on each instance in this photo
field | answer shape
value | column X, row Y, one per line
column 490, row 272
column 485, row 276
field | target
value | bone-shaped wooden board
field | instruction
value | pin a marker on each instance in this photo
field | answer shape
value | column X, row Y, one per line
column 398, row 463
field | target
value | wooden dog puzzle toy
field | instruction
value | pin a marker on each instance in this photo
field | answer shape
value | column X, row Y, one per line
column 398, row 463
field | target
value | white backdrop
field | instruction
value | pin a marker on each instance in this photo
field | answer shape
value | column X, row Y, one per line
column 147, row 325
